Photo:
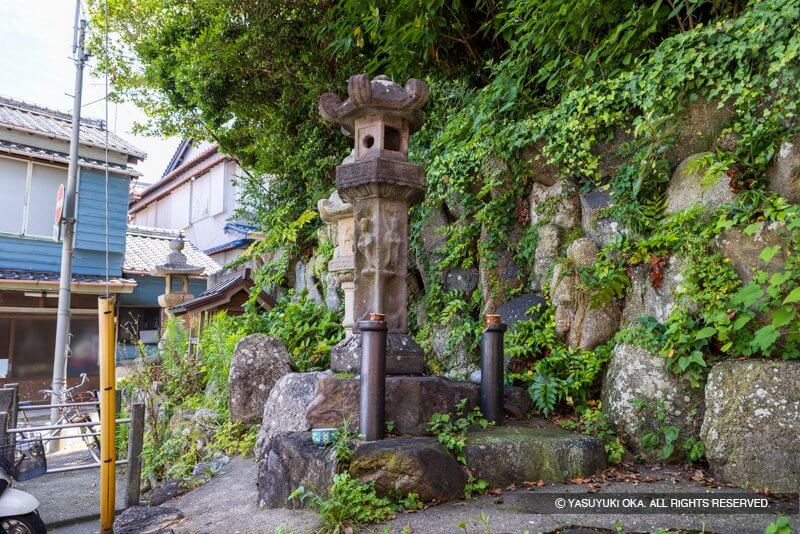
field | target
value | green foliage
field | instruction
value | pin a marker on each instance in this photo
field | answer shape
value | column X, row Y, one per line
column 661, row 435
column 182, row 383
column 475, row 486
column 554, row 372
column 451, row 429
column 343, row 444
column 694, row 449
column 779, row 526
column 348, row 504
column 594, row 422
column 309, row 330
column 504, row 77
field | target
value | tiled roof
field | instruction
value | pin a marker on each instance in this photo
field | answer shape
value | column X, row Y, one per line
column 61, row 157
column 147, row 247
column 42, row 276
column 18, row 114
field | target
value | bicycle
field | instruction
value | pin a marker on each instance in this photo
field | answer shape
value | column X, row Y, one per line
column 74, row 414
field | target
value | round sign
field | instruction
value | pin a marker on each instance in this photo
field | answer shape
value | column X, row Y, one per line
column 59, row 203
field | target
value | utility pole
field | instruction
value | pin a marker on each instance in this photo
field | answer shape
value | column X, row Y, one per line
column 67, row 224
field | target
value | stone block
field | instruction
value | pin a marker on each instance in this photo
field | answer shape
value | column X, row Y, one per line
column 285, row 409
column 399, row 466
column 684, row 188
column 513, row 455
column 292, row 460
column 636, row 374
column 257, row 363
column 410, row 401
column 404, row 356
column 752, row 422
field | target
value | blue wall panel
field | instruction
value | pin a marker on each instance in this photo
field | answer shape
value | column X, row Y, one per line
column 44, row 255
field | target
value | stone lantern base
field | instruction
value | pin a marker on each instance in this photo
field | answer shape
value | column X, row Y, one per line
column 403, row 355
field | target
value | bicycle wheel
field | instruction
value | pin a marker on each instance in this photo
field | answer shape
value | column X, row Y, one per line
column 92, row 442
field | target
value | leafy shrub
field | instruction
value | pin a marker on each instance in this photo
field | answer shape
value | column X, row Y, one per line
column 309, row 330
column 553, row 372
column 594, row 422
column 347, row 505
column 451, row 430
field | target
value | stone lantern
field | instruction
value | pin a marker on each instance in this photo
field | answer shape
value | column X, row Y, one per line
column 380, row 184
column 175, row 270
column 339, row 215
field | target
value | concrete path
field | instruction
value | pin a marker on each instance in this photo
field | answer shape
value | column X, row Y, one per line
column 73, row 496
column 228, row 504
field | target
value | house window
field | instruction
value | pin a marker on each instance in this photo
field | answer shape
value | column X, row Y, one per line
column 14, row 177
column 33, row 340
column 28, row 197
column 201, row 197
column 139, row 324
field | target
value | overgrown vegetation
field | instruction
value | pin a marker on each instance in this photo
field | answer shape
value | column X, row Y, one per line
column 519, row 88
column 346, row 505
column 451, row 430
column 186, row 393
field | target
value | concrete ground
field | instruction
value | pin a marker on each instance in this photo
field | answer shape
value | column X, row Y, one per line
column 228, row 504
column 74, row 496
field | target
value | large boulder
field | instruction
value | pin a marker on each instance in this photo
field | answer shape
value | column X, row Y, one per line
column 556, row 210
column 578, row 323
column 410, row 401
column 596, row 225
column 685, row 188
column 147, row 520
column 635, row 374
column 454, row 354
column 548, row 249
column 285, row 409
column 513, row 455
column 400, row 466
column 699, row 126
column 542, row 171
column 654, row 295
column 499, row 275
column 743, row 250
column 752, row 422
column 783, row 174
column 292, row 460
column 258, row 362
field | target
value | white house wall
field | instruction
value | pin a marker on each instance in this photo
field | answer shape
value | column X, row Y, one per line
column 200, row 208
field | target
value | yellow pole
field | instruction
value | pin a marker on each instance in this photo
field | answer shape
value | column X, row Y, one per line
column 108, row 414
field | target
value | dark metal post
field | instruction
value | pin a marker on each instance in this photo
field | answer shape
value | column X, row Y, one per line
column 372, row 403
column 492, row 369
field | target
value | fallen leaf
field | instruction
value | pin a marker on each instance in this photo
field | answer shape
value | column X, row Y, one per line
column 495, row 491
column 594, row 488
column 511, row 487
column 579, row 480
column 540, row 483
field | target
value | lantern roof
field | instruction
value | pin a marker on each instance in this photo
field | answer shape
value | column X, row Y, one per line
column 380, row 96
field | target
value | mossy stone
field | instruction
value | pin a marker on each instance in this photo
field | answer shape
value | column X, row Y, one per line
column 513, row 455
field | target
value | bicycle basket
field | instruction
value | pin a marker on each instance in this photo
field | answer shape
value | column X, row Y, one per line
column 25, row 459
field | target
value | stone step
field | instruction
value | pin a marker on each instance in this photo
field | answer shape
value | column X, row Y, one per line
column 501, row 456
column 514, row 455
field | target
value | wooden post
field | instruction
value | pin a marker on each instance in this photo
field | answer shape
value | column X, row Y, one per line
column 135, row 441
column 14, row 412
column 108, row 430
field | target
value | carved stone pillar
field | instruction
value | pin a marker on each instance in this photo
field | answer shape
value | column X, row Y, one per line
column 381, row 185
column 339, row 215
